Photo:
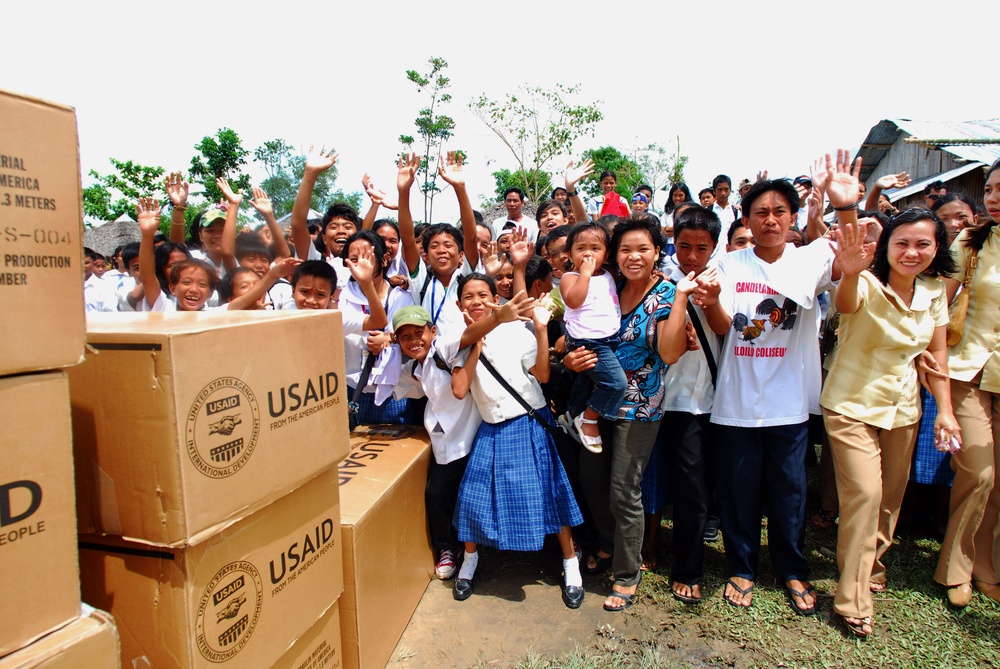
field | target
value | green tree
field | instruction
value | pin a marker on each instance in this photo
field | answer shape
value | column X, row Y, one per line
column 626, row 169
column 677, row 163
column 221, row 155
column 284, row 170
column 116, row 193
column 506, row 179
column 434, row 128
column 537, row 125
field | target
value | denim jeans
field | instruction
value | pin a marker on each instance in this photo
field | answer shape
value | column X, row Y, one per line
column 606, row 379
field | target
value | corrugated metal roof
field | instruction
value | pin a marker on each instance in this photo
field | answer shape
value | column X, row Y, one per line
column 885, row 133
column 895, row 194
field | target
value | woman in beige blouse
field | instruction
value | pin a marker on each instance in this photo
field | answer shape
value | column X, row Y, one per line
column 970, row 547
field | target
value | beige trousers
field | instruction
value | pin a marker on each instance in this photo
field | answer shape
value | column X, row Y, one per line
column 971, row 544
column 872, row 466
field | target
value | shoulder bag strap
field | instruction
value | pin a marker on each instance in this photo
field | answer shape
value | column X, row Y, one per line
column 520, row 400
column 703, row 338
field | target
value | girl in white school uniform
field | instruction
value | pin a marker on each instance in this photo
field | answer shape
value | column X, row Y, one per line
column 515, row 490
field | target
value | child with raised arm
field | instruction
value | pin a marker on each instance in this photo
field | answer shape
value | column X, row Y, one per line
column 191, row 282
column 515, row 490
column 592, row 319
column 451, row 253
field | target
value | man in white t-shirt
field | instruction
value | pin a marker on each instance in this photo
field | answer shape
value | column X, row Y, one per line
column 769, row 380
column 513, row 199
column 722, row 188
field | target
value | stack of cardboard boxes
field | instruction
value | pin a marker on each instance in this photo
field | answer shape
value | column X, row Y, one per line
column 206, row 452
column 42, row 305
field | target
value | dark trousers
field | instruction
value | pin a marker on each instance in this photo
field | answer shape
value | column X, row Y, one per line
column 778, row 454
column 689, row 444
column 440, row 496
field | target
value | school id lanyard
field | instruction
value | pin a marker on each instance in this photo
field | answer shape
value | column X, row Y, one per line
column 435, row 312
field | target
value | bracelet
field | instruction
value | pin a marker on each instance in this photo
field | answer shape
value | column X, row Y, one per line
column 180, row 207
column 847, row 208
column 571, row 193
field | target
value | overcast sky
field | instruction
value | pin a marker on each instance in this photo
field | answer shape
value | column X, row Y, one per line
column 746, row 85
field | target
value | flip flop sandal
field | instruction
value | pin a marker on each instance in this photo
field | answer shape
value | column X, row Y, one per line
column 687, row 599
column 856, row 629
column 792, row 593
column 743, row 591
column 628, row 600
column 601, row 564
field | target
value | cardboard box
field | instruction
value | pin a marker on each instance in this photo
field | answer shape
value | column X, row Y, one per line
column 185, row 422
column 39, row 575
column 319, row 648
column 90, row 641
column 41, row 236
column 388, row 559
column 237, row 600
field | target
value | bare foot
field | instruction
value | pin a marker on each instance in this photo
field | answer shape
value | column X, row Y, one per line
column 875, row 586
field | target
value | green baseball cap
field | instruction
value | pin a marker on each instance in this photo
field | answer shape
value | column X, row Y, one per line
column 411, row 315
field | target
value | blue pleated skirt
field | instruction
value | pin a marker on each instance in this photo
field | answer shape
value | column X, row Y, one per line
column 515, row 489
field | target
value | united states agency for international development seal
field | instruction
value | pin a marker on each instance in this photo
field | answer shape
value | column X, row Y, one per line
column 228, row 611
column 222, row 427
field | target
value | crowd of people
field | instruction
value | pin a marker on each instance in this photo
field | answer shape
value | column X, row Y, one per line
column 580, row 371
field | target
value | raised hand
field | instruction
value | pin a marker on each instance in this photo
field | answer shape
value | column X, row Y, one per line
column 687, row 284
column 285, row 267
column 376, row 195
column 319, row 161
column 520, row 249
column 574, row 175
column 843, row 186
column 901, row 180
column 232, row 198
column 363, row 269
column 491, row 262
column 148, row 215
column 541, row 314
column 852, row 252
column 177, row 190
column 450, row 168
column 762, row 176
column 408, row 165
column 819, row 175
column 520, row 307
column 261, row 203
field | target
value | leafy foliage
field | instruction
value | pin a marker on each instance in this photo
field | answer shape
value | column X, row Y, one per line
column 284, row 171
column 221, row 155
column 506, row 179
column 537, row 125
column 627, row 170
column 433, row 128
column 116, row 193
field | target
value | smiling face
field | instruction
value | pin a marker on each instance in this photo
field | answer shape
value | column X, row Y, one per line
column 443, row 254
column 192, row 289
column 588, row 243
column 244, row 282
column 608, row 184
column 694, row 248
column 415, row 340
column 551, row 217
column 911, row 249
column 391, row 239
column 769, row 219
column 678, row 196
column 505, row 281
column 558, row 257
column 475, row 298
column 312, row 292
column 483, row 239
column 637, row 256
column 336, row 233
column 258, row 263
column 211, row 236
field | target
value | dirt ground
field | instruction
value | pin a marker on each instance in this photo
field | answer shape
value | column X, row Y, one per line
column 517, row 610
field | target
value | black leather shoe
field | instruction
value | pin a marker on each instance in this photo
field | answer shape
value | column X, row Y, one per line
column 572, row 596
column 463, row 589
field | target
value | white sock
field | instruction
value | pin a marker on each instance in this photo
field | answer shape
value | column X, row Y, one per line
column 571, row 566
column 469, row 563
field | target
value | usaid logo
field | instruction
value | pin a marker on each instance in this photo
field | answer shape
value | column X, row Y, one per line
column 222, row 427
column 228, row 611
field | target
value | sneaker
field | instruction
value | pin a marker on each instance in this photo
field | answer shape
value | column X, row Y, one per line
column 445, row 567
column 712, row 529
